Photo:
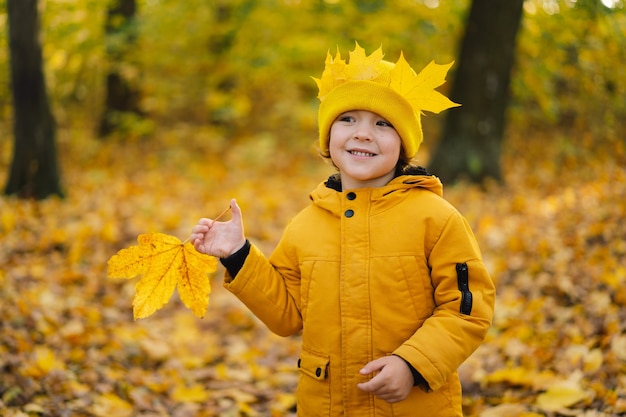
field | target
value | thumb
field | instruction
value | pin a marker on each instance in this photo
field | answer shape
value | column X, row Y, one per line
column 372, row 366
column 236, row 211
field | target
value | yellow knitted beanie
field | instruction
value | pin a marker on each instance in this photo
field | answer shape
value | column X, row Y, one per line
column 392, row 91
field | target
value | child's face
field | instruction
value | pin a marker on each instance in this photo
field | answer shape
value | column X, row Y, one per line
column 365, row 147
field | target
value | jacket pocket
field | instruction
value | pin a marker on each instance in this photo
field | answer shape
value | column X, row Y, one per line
column 313, row 392
column 314, row 365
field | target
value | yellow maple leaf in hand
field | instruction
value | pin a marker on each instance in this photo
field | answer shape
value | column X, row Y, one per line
column 165, row 262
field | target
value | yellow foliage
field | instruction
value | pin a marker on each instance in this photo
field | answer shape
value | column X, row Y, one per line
column 505, row 410
column 165, row 263
column 284, row 402
column 194, row 393
column 561, row 396
column 107, row 405
column 44, row 361
column 513, row 376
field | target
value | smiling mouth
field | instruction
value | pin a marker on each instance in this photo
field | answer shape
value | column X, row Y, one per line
column 361, row 153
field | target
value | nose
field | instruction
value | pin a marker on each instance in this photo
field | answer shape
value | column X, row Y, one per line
column 363, row 132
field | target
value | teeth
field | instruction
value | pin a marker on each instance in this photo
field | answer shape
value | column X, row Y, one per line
column 359, row 153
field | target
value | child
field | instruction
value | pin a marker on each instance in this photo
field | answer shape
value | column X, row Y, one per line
column 383, row 277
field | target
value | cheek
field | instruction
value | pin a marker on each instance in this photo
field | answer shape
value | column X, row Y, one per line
column 394, row 145
column 333, row 141
column 332, row 148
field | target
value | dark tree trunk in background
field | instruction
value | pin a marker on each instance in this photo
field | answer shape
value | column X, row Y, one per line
column 34, row 171
column 122, row 96
column 472, row 136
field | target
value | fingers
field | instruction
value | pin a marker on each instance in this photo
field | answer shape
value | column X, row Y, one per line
column 373, row 366
column 219, row 238
column 198, row 233
column 392, row 383
column 198, row 245
column 375, row 384
column 372, row 385
column 384, row 389
column 200, row 228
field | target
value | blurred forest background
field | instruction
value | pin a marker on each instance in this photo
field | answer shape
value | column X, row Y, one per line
column 221, row 105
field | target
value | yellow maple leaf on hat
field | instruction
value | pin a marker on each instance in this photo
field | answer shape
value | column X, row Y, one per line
column 333, row 75
column 363, row 67
column 417, row 89
column 165, row 264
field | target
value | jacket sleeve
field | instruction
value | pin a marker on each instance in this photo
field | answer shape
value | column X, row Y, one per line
column 270, row 288
column 464, row 302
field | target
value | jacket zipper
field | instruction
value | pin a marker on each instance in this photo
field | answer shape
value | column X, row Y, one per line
column 462, row 273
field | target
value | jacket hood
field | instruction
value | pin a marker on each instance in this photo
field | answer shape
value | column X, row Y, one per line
column 328, row 196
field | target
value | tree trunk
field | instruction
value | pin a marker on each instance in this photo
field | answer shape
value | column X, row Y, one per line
column 122, row 97
column 34, row 171
column 472, row 135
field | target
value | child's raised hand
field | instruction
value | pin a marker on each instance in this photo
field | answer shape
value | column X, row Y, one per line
column 219, row 239
column 393, row 382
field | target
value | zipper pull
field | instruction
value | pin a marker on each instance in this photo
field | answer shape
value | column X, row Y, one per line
column 462, row 273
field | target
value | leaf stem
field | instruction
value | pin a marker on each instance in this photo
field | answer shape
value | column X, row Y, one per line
column 215, row 219
column 221, row 214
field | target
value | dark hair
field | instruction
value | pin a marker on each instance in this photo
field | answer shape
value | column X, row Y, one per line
column 403, row 168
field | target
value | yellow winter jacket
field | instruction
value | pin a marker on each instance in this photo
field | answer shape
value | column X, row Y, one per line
column 373, row 272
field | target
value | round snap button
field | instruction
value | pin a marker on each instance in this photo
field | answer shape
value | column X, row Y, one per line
column 351, row 196
column 349, row 213
column 318, row 372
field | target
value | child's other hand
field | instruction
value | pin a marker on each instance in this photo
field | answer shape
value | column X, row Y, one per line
column 219, row 239
column 393, row 382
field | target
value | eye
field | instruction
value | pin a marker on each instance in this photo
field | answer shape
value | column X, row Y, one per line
column 384, row 123
column 346, row 118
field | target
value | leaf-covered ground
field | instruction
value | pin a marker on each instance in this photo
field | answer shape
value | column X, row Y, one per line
column 554, row 239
